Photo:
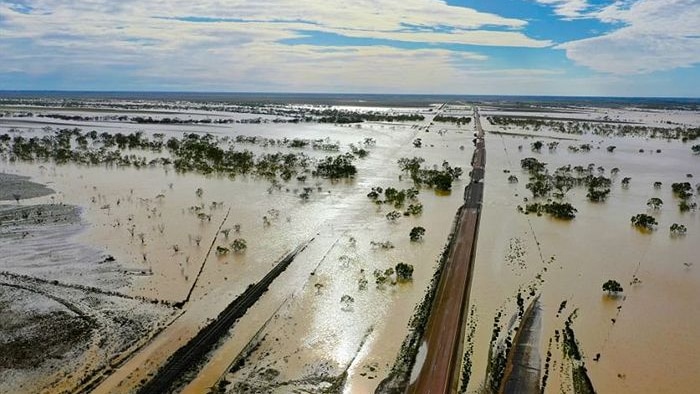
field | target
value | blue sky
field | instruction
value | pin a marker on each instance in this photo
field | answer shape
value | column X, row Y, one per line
column 548, row 47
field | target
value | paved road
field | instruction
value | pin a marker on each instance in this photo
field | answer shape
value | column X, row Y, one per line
column 444, row 332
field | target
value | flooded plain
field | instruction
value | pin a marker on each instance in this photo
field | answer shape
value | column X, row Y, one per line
column 642, row 338
column 159, row 241
column 148, row 221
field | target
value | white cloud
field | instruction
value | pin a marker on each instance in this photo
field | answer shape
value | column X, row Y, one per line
column 240, row 45
column 657, row 35
column 569, row 9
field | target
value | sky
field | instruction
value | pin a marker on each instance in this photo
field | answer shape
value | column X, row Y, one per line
column 516, row 47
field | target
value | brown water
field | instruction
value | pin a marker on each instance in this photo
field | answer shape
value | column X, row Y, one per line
column 650, row 348
column 115, row 200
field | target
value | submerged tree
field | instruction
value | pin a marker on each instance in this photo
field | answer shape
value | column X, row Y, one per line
column 655, row 203
column 239, row 245
column 417, row 233
column 643, row 221
column 612, row 286
column 678, row 229
column 347, row 302
column 404, row 272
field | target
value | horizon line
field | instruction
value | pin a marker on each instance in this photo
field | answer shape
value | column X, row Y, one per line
column 339, row 93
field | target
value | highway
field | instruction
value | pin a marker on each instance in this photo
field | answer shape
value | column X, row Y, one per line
column 444, row 333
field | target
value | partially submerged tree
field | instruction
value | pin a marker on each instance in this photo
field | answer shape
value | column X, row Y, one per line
column 347, row 302
column 239, row 245
column 655, row 203
column 404, row 272
column 417, row 233
column 644, row 221
column 612, row 286
column 678, row 229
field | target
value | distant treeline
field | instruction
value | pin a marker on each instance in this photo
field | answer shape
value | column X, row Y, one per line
column 339, row 116
column 453, row 119
column 595, row 127
column 321, row 116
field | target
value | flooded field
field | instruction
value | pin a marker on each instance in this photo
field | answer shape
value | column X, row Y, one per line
column 150, row 236
column 638, row 341
column 168, row 233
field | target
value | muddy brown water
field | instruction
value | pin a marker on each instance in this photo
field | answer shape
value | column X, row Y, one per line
column 656, row 322
column 649, row 348
column 115, row 199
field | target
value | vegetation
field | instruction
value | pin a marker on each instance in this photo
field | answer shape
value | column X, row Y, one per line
column 612, row 286
column 440, row 179
column 205, row 154
column 239, row 245
column 643, row 221
column 417, row 234
column 655, row 203
column 598, row 128
column 344, row 116
column 555, row 209
column 459, row 120
column 682, row 190
column 404, row 272
column 395, row 197
column 678, row 229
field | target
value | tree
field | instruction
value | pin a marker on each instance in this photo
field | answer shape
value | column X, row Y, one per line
column 657, row 185
column 393, row 216
column 678, row 229
column 347, row 302
column 626, row 182
column 643, row 221
column 612, row 286
column 655, row 203
column 417, row 233
column 696, row 149
column 404, row 272
column 239, row 245
column 512, row 179
column 537, row 146
column 686, row 206
column 17, row 197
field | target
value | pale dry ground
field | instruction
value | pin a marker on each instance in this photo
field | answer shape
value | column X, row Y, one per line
column 651, row 347
column 156, row 204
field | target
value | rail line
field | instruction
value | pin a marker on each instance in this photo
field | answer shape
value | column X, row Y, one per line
column 190, row 356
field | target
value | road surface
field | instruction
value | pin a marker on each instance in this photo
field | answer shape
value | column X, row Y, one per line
column 443, row 337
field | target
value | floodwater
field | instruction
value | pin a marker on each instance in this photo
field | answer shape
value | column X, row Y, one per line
column 650, row 346
column 143, row 218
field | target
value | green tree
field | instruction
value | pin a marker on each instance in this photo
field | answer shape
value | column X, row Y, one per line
column 678, row 229
column 612, row 286
column 404, row 272
column 417, row 233
column 644, row 221
column 655, row 203
column 239, row 245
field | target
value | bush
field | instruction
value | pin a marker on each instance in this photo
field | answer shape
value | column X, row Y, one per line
column 417, row 233
column 239, row 245
column 644, row 221
column 404, row 272
column 612, row 286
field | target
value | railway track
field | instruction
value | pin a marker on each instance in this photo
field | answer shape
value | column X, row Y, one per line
column 189, row 357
